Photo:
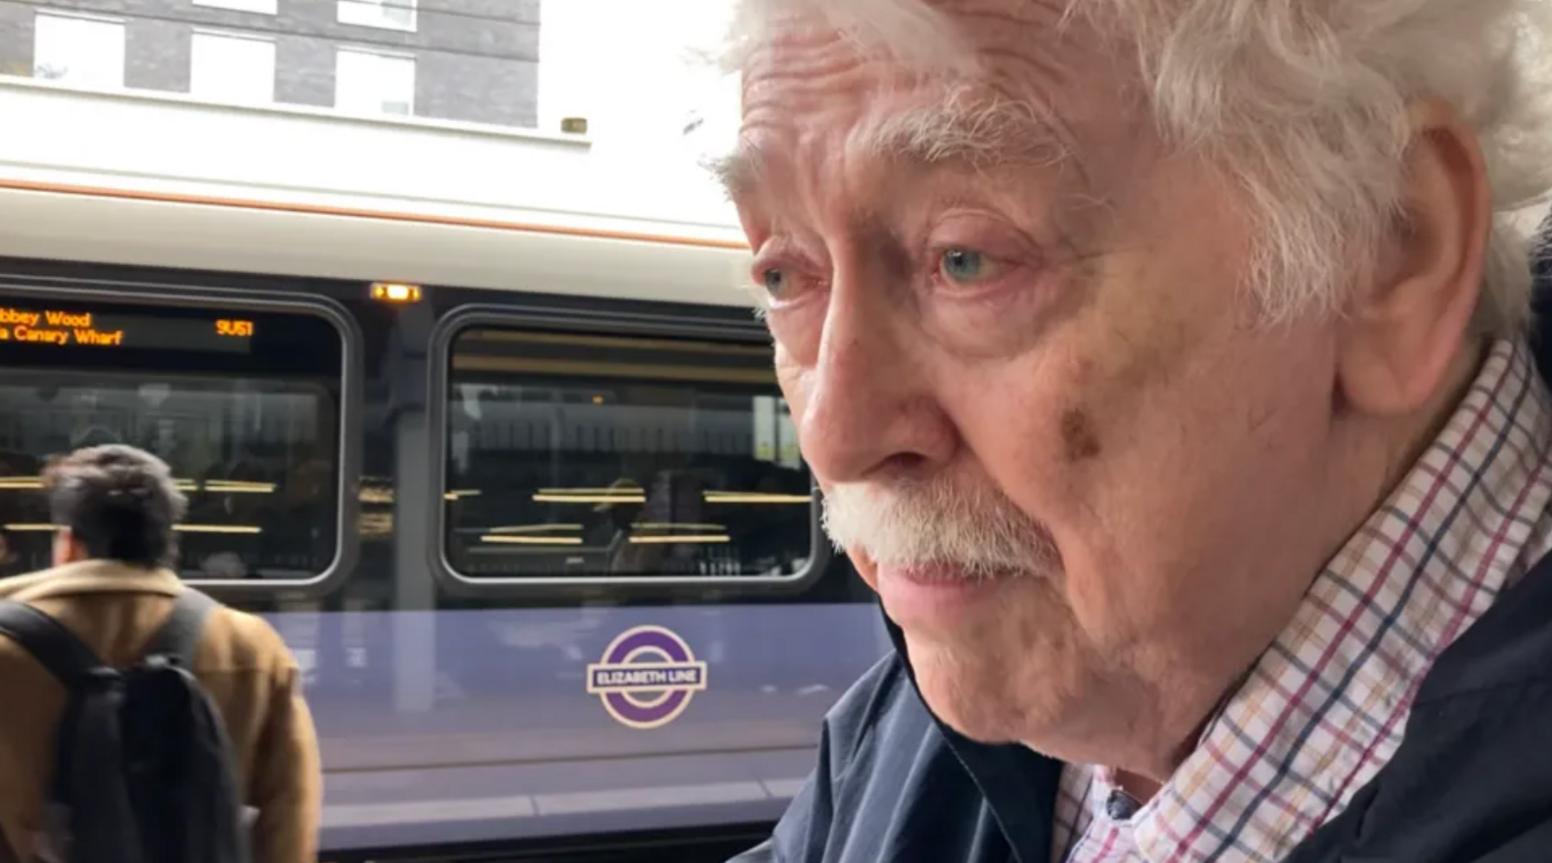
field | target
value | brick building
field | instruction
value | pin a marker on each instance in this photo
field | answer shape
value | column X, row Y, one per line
column 465, row 60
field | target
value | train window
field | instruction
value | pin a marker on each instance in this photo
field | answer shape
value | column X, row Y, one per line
column 244, row 406
column 600, row 457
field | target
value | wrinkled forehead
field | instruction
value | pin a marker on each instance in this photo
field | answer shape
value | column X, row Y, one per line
column 968, row 127
column 980, row 82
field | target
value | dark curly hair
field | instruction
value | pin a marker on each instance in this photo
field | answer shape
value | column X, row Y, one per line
column 119, row 503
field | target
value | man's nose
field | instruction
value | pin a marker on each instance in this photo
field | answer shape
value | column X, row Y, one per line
column 870, row 407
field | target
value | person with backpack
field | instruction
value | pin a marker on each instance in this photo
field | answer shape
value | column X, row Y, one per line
column 143, row 721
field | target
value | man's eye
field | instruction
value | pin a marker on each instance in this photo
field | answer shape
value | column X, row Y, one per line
column 775, row 281
column 963, row 265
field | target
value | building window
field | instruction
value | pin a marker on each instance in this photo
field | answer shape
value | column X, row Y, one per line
column 366, row 82
column 389, row 14
column 263, row 7
column 87, row 52
column 238, row 69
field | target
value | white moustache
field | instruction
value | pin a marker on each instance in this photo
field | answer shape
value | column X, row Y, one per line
column 978, row 531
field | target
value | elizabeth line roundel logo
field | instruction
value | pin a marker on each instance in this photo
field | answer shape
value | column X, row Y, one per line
column 647, row 677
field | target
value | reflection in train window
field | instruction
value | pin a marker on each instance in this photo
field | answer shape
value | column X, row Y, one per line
column 603, row 456
column 247, row 417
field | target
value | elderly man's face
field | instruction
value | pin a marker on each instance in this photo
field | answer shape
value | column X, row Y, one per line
column 1025, row 370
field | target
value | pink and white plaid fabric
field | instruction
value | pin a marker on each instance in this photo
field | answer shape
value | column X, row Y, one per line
column 1326, row 706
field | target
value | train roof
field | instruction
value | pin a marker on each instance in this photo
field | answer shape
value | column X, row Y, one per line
column 112, row 227
column 303, row 192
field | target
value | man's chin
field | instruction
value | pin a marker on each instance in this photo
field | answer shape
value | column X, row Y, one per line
column 972, row 696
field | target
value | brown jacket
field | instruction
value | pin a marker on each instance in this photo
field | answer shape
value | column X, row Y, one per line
column 241, row 662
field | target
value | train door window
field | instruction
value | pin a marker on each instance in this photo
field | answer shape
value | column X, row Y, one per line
column 244, row 406
column 589, row 457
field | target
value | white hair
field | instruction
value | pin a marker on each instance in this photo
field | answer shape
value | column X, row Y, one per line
column 1303, row 105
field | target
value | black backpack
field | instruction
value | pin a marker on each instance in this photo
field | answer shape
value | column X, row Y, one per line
column 143, row 766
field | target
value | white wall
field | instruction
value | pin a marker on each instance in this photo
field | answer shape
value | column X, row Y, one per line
column 639, row 80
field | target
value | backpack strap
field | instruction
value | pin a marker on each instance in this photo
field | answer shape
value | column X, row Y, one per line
column 95, row 694
column 50, row 642
column 179, row 636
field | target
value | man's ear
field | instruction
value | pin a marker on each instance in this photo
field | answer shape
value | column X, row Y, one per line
column 66, row 549
column 1400, row 337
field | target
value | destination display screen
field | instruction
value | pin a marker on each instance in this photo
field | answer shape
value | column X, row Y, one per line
column 80, row 327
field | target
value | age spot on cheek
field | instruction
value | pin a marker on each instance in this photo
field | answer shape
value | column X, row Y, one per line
column 1080, row 441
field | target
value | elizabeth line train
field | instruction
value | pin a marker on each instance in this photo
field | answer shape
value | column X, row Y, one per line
column 543, row 545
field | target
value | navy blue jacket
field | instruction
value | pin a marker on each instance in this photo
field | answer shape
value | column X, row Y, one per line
column 1470, row 783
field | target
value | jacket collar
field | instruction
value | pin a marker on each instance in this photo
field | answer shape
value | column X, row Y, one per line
column 90, row 576
column 1019, row 784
